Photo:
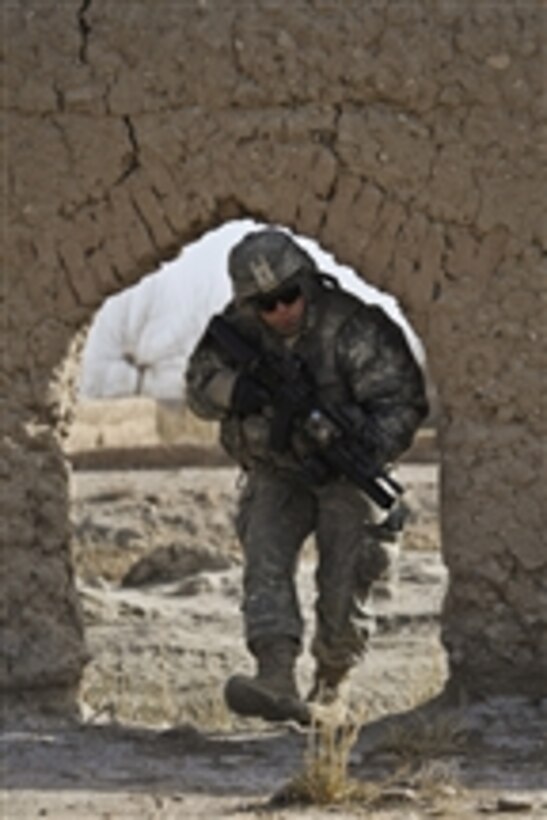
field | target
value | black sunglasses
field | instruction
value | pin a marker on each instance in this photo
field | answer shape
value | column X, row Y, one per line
column 267, row 302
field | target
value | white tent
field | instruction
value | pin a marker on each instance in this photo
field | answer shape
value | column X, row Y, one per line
column 140, row 340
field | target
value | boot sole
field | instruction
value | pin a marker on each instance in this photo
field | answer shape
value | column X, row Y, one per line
column 245, row 698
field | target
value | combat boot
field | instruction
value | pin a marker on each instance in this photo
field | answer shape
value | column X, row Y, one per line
column 272, row 693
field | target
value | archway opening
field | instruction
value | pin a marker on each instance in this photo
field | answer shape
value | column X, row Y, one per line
column 153, row 499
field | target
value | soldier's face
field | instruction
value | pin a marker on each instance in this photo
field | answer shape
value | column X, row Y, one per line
column 283, row 312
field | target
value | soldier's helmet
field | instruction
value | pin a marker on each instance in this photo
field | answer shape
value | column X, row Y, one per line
column 265, row 259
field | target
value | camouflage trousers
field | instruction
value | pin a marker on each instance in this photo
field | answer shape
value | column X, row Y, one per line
column 276, row 514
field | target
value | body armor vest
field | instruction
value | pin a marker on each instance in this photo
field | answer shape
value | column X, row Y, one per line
column 247, row 440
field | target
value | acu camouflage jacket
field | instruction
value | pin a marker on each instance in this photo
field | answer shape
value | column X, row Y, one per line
column 358, row 356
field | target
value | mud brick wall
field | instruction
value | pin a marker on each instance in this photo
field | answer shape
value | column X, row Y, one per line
column 404, row 136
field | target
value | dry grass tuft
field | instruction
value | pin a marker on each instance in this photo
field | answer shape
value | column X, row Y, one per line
column 426, row 738
column 420, row 777
column 324, row 777
column 325, row 773
column 437, row 779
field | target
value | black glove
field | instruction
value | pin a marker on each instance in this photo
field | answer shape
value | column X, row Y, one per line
column 248, row 396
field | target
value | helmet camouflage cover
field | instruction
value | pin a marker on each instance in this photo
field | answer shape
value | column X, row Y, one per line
column 263, row 260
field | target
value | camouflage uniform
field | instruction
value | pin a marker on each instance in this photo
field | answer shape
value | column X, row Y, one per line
column 361, row 361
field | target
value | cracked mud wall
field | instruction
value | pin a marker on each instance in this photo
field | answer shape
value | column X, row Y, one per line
column 404, row 137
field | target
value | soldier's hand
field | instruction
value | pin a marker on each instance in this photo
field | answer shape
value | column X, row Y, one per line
column 247, row 396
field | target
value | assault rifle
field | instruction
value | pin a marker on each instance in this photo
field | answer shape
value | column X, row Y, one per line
column 336, row 447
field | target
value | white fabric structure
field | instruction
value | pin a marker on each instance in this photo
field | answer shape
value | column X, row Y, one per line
column 140, row 340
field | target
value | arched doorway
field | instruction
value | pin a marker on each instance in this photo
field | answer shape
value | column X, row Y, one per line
column 405, row 169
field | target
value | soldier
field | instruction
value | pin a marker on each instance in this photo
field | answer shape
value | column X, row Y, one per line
column 360, row 363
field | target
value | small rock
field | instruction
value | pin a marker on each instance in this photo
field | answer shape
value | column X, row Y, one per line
column 169, row 563
column 127, row 608
column 499, row 62
column 398, row 794
column 196, row 585
column 514, row 802
column 125, row 536
column 448, row 791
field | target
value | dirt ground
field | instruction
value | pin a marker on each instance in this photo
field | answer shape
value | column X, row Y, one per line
column 159, row 574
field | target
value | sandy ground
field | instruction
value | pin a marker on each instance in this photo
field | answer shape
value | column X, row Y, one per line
column 159, row 573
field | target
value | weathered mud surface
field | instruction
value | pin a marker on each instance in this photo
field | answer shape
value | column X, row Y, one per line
column 156, row 741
